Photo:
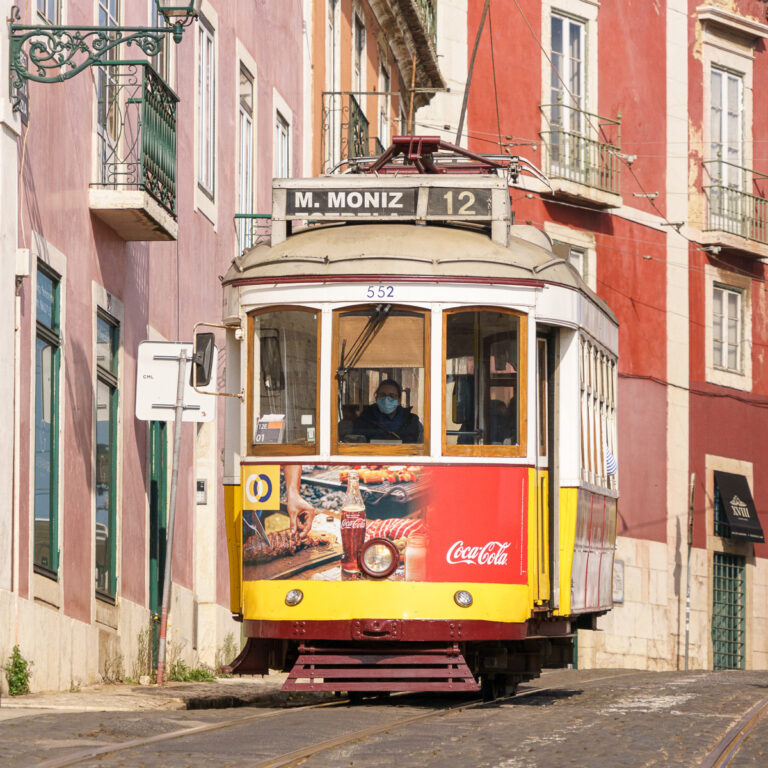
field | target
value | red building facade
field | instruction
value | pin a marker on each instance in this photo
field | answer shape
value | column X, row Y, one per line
column 649, row 121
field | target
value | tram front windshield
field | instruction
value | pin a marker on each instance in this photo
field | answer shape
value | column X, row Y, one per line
column 381, row 375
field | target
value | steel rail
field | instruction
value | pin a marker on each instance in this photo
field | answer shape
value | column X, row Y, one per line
column 79, row 757
column 296, row 756
column 725, row 749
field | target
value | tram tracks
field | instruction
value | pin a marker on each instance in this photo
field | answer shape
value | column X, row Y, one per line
column 728, row 747
column 293, row 757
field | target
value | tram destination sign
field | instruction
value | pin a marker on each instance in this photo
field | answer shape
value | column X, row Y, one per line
column 350, row 202
column 388, row 202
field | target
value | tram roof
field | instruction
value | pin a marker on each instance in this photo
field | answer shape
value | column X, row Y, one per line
column 403, row 250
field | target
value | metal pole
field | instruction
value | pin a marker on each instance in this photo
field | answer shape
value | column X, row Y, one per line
column 688, row 574
column 171, row 516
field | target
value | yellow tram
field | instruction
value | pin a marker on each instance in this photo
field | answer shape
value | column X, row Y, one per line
column 420, row 475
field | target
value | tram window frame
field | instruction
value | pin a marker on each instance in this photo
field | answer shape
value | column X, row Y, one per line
column 280, row 449
column 520, row 449
column 376, row 449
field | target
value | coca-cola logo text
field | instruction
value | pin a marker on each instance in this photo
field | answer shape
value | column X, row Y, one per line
column 353, row 522
column 492, row 553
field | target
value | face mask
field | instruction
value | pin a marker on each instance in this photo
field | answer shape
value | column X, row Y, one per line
column 387, row 405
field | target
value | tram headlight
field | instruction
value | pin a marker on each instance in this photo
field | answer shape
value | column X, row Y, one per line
column 463, row 598
column 294, row 597
column 378, row 558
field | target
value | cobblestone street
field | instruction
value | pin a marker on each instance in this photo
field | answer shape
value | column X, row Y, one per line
column 608, row 718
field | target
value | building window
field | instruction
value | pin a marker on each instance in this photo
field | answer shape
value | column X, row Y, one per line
column 107, row 346
column 726, row 126
column 358, row 55
column 206, row 117
column 567, row 89
column 50, row 10
column 161, row 62
column 728, row 611
column 385, row 86
column 47, row 363
column 282, row 147
column 331, row 102
column 726, row 328
column 245, row 158
column 107, row 100
column 574, row 255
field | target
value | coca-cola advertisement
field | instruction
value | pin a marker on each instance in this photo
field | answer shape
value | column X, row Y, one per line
column 385, row 522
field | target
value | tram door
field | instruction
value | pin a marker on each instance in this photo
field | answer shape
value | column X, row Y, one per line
column 544, row 494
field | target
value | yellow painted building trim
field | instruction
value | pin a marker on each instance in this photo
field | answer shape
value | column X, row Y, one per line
column 233, row 520
column 568, row 506
column 325, row 600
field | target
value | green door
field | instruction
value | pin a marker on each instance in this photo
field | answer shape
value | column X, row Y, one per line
column 158, row 516
column 728, row 609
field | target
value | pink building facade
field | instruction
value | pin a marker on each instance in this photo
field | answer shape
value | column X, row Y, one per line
column 97, row 258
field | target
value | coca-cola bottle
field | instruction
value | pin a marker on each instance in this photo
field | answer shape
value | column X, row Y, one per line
column 352, row 525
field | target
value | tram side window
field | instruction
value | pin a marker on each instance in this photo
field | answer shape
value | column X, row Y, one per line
column 381, row 379
column 283, row 382
column 483, row 382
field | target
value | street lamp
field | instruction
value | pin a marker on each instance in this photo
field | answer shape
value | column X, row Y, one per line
column 51, row 53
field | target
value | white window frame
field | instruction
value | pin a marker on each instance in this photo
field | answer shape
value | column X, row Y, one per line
column 332, row 84
column 580, row 240
column 245, row 153
column 205, row 202
column 715, row 373
column 720, row 327
column 43, row 11
column 385, row 103
column 358, row 66
column 206, row 109
column 281, row 112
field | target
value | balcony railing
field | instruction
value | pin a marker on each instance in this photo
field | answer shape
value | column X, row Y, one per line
column 428, row 12
column 252, row 229
column 137, row 131
column 583, row 147
column 731, row 208
column 345, row 132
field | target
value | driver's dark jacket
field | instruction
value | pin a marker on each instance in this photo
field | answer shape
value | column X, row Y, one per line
column 402, row 425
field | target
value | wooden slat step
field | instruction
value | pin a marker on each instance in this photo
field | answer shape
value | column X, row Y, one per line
column 373, row 674
column 391, row 659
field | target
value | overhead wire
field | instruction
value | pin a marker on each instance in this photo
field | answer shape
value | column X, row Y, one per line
column 493, row 69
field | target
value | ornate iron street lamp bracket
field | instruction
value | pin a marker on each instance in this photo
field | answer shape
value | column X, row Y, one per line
column 51, row 54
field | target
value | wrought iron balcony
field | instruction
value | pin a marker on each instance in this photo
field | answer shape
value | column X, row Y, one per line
column 428, row 11
column 252, row 229
column 345, row 130
column 582, row 147
column 137, row 147
column 730, row 207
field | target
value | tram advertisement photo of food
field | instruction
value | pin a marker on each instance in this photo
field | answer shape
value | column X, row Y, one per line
column 394, row 522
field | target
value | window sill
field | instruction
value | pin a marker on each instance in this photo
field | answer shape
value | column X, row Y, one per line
column 732, row 379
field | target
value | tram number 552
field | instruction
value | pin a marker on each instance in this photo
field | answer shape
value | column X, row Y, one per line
column 453, row 201
column 380, row 292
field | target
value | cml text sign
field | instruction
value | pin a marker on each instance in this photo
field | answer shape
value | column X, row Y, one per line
column 157, row 373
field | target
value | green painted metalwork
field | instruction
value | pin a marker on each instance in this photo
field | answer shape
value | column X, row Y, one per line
column 357, row 129
column 53, row 53
column 583, row 147
column 731, row 208
column 158, row 521
column 252, row 229
column 139, row 149
column 728, row 611
column 46, row 470
column 428, row 12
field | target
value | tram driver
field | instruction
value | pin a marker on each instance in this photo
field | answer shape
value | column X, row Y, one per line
column 387, row 419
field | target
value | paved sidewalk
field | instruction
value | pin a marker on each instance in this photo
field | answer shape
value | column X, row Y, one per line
column 130, row 697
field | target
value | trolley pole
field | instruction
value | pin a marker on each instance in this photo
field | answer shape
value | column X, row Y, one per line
column 171, row 516
column 688, row 571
